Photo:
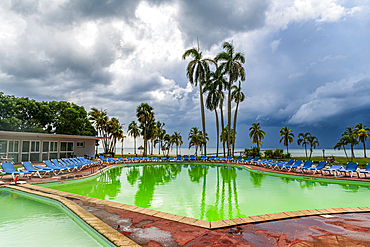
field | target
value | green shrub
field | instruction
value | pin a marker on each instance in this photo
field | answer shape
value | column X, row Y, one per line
column 269, row 153
column 254, row 151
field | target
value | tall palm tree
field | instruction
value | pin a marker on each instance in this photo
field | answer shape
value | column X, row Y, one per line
column 177, row 139
column 287, row 137
column 351, row 138
column 256, row 133
column 342, row 142
column 303, row 140
column 212, row 102
column 237, row 96
column 218, row 77
column 362, row 134
column 100, row 120
column 232, row 65
column 196, row 72
column 145, row 115
column 134, row 131
column 313, row 142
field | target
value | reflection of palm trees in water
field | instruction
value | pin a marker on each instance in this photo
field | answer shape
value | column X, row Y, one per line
column 228, row 186
column 107, row 184
column 256, row 179
column 151, row 176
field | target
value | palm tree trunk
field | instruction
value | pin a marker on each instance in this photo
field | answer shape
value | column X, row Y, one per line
column 345, row 152
column 145, row 143
column 135, row 145
column 222, row 129
column 203, row 116
column 217, row 132
column 364, row 149
column 305, row 148
column 234, row 132
column 353, row 154
column 229, row 118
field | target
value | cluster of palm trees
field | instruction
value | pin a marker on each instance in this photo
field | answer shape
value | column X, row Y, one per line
column 228, row 70
column 196, row 139
column 152, row 132
column 110, row 129
column 353, row 136
column 287, row 136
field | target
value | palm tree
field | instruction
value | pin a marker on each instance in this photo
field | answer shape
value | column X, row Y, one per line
column 196, row 72
column 145, row 115
column 362, row 134
column 134, row 131
column 194, row 136
column 342, row 142
column 212, row 102
column 303, row 140
column 177, row 139
column 223, row 136
column 256, row 133
column 287, row 137
column 100, row 120
column 232, row 65
column 238, row 96
column 351, row 138
column 313, row 142
column 218, row 78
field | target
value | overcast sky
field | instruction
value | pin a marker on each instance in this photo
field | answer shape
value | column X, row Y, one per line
column 307, row 61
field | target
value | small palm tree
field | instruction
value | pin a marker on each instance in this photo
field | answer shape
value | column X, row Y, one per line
column 256, row 133
column 351, row 138
column 303, row 140
column 134, row 131
column 194, row 136
column 362, row 134
column 177, row 140
column 223, row 137
column 313, row 142
column 342, row 142
column 238, row 96
column 287, row 137
column 145, row 115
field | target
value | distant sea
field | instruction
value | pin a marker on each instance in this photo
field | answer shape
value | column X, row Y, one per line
column 210, row 151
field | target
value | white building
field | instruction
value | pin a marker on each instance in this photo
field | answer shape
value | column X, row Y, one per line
column 36, row 147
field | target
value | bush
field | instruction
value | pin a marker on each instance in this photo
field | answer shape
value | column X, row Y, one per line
column 269, row 153
column 287, row 156
column 254, row 151
column 278, row 153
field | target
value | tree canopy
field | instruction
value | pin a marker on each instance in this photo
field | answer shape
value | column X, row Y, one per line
column 27, row 115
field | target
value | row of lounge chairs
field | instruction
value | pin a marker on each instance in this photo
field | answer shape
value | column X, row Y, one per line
column 172, row 158
column 50, row 167
column 308, row 167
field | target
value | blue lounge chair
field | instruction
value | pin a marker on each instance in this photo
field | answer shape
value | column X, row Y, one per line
column 179, row 157
column 104, row 160
column 238, row 159
column 307, row 164
column 57, row 164
column 351, row 167
column 164, row 158
column 296, row 164
column 248, row 159
column 70, row 165
column 8, row 168
column 281, row 164
column 212, row 158
column 41, row 173
column 254, row 160
column 51, row 166
column 318, row 168
column 192, row 157
column 332, row 170
column 186, row 157
column 203, row 158
column 154, row 158
column 366, row 171
column 172, row 158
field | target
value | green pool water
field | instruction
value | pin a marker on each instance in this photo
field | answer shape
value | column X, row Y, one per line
column 27, row 220
column 213, row 192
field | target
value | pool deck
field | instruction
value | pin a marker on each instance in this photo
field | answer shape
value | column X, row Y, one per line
column 129, row 224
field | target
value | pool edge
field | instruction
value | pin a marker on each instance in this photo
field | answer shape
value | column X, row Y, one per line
column 98, row 225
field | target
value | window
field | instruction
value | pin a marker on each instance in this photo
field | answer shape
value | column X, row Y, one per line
column 3, row 147
column 45, row 147
column 80, row 144
column 25, row 146
column 13, row 150
column 66, row 149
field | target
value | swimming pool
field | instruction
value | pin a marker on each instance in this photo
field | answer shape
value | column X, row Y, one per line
column 214, row 192
column 32, row 220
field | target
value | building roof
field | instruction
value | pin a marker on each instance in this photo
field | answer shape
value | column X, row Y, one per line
column 38, row 135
